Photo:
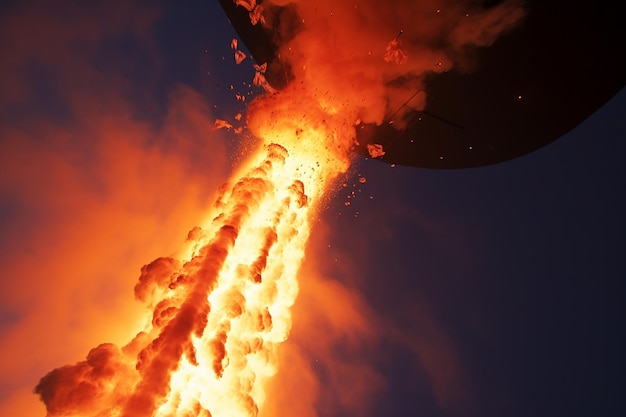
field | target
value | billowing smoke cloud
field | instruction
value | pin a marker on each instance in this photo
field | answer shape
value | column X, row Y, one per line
column 365, row 59
column 92, row 186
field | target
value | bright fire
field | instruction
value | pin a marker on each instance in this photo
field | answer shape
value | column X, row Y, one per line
column 218, row 314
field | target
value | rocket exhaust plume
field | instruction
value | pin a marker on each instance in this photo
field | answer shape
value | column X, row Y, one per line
column 217, row 314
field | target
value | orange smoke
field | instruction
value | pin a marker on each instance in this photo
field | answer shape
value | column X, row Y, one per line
column 350, row 57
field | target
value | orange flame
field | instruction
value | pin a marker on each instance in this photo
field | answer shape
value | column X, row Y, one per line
column 218, row 315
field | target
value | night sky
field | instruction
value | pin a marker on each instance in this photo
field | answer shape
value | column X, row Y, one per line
column 494, row 291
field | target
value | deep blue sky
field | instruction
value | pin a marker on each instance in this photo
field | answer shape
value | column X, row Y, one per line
column 511, row 274
column 522, row 265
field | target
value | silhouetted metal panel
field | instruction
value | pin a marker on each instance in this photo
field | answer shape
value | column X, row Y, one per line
column 531, row 87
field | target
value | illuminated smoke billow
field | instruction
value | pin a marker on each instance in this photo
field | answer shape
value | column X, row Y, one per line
column 364, row 59
column 218, row 317
column 217, row 314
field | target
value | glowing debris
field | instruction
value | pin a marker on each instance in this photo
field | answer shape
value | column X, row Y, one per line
column 239, row 56
column 375, row 150
column 260, row 68
column 222, row 124
column 249, row 5
column 261, row 81
column 256, row 15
